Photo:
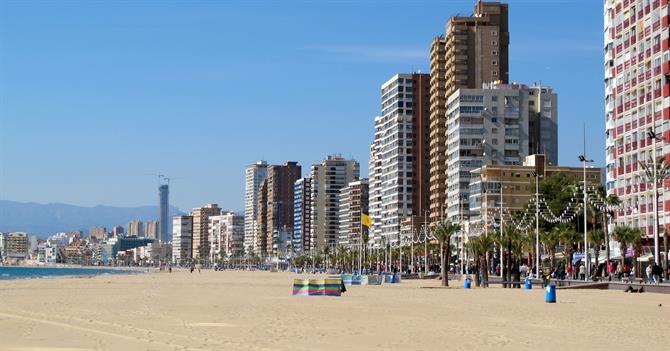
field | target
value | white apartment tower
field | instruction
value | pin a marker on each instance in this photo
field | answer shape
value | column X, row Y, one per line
column 328, row 178
column 182, row 239
column 254, row 175
column 375, row 180
column 226, row 235
column 637, row 102
column 499, row 124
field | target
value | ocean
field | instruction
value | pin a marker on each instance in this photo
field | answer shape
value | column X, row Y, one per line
column 56, row 272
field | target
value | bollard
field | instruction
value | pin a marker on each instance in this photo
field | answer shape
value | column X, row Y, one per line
column 550, row 296
column 529, row 284
column 466, row 283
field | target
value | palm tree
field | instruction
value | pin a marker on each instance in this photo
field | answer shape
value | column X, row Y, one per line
column 596, row 237
column 550, row 240
column 610, row 200
column 480, row 246
column 662, row 173
column 626, row 235
column 443, row 232
column 568, row 237
column 511, row 244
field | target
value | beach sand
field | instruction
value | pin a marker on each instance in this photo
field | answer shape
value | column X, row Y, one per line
column 234, row 310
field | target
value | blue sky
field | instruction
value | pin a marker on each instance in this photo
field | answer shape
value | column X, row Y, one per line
column 95, row 95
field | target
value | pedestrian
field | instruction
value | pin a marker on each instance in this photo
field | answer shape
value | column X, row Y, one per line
column 649, row 276
column 570, row 271
column 619, row 271
column 656, row 271
column 582, row 271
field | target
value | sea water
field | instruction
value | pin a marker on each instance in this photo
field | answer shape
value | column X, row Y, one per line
column 55, row 272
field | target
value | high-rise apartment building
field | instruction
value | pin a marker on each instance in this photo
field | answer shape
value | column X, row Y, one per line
column 152, row 229
column 280, row 183
column 401, row 152
column 637, row 91
column 328, row 178
column 495, row 125
column 254, row 175
column 261, row 239
column 182, row 239
column 473, row 51
column 164, row 213
column 201, row 230
column 302, row 206
column 226, row 235
column 352, row 203
column 136, row 228
column 375, row 181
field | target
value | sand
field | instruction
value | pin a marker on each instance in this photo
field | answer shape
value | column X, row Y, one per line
column 255, row 311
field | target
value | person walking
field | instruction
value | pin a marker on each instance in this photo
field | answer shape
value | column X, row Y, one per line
column 656, row 271
column 649, row 276
column 582, row 272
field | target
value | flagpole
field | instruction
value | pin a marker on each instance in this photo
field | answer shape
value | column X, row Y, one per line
column 360, row 244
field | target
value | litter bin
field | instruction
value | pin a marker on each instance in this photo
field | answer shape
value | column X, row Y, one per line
column 550, row 296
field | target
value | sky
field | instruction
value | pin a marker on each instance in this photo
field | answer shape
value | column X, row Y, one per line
column 97, row 95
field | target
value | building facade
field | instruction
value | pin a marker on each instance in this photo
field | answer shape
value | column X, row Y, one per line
column 200, row 248
column 254, row 175
column 473, row 51
column 152, row 229
column 182, row 239
column 279, row 220
column 328, row 178
column 637, row 101
column 492, row 125
column 18, row 246
column 136, row 228
column 97, row 233
column 353, row 203
column 163, row 213
column 302, row 206
column 226, row 235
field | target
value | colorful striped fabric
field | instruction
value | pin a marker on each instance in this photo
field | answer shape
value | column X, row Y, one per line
column 300, row 287
column 364, row 280
column 347, row 279
column 316, row 287
column 332, row 287
column 356, row 279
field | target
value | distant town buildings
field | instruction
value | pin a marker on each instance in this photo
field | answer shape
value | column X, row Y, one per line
column 18, row 246
column 152, row 229
column 136, row 228
column 97, row 233
column 226, row 235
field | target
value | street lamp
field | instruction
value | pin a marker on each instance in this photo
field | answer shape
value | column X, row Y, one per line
column 584, row 161
column 537, row 222
column 654, row 137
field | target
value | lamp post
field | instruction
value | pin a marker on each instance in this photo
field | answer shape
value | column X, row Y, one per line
column 502, row 226
column 652, row 135
column 537, row 176
column 584, row 161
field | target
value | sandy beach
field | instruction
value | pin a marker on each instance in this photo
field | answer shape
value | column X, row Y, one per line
column 255, row 311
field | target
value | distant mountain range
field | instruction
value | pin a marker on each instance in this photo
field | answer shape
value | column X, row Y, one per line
column 44, row 220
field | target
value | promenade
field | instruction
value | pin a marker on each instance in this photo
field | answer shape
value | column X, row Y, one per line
column 233, row 310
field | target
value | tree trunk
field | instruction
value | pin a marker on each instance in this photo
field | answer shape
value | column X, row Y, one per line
column 443, row 263
column 607, row 240
column 665, row 254
column 485, row 275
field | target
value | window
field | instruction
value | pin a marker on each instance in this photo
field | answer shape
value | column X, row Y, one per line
column 494, row 53
column 494, row 63
column 494, row 73
column 494, row 43
column 494, row 33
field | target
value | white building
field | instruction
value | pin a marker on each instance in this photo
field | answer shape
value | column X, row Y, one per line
column 328, row 178
column 182, row 239
column 226, row 235
column 255, row 174
column 375, row 194
column 353, row 203
column 499, row 124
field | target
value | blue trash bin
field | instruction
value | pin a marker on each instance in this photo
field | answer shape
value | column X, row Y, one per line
column 550, row 296
column 467, row 283
column 529, row 284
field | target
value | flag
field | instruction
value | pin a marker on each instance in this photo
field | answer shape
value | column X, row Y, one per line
column 366, row 220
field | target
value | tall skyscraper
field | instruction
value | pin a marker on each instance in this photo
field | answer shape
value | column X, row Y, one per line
column 353, row 202
column 279, row 220
column 328, row 178
column 260, row 233
column 492, row 126
column 637, row 87
column 254, row 175
column 201, row 230
column 164, row 209
column 302, row 206
column 399, row 181
column 473, row 51
column 375, row 181
column 182, row 239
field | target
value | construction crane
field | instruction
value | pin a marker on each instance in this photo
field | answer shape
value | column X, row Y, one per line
column 160, row 176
